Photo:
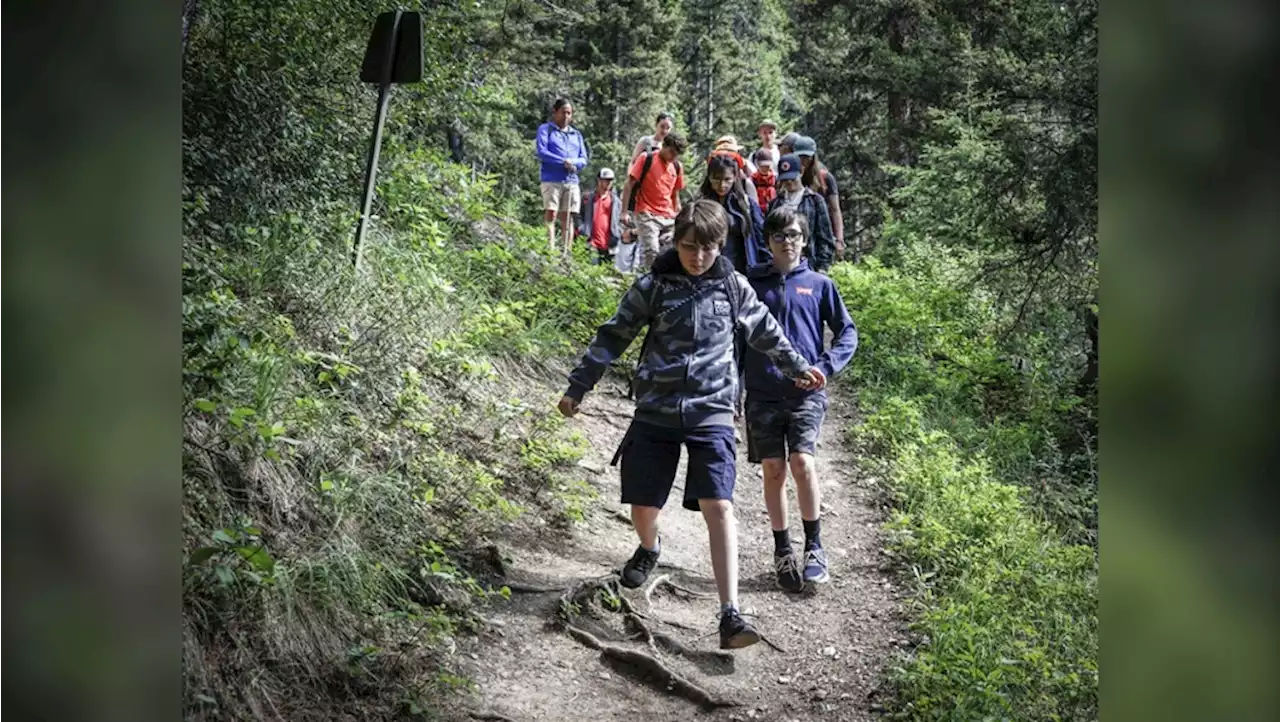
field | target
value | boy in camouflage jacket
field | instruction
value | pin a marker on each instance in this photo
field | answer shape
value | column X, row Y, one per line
column 696, row 307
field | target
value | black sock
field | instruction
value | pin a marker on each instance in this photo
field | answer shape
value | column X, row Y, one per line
column 812, row 540
column 782, row 542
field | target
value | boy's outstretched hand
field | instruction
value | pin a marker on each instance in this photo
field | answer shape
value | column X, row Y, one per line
column 811, row 380
column 567, row 406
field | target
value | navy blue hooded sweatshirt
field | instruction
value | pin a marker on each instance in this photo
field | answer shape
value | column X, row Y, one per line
column 803, row 302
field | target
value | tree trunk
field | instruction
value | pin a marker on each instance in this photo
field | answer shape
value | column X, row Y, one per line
column 454, row 137
column 189, row 8
column 899, row 101
column 711, row 84
column 617, row 101
column 1090, row 376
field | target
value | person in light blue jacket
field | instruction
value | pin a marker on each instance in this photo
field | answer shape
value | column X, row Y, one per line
column 563, row 152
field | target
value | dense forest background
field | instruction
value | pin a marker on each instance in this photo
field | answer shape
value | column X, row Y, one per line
column 351, row 439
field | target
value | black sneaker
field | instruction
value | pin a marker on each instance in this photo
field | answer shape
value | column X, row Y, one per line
column 638, row 567
column 815, row 566
column 736, row 632
column 788, row 569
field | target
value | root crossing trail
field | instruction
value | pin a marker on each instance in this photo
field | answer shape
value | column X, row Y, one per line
column 653, row 654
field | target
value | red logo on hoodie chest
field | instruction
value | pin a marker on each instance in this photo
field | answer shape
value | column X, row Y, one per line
column 804, row 291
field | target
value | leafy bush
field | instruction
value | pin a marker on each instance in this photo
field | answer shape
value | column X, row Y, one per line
column 985, row 505
column 350, row 442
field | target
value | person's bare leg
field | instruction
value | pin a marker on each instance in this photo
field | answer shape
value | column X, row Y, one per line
column 804, row 470
column 549, row 217
column 645, row 520
column 723, row 534
column 775, row 492
column 566, row 226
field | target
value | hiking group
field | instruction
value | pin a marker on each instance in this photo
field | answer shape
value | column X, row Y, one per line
column 734, row 299
column 631, row 226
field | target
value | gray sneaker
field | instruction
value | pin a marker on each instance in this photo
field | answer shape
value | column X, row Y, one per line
column 815, row 566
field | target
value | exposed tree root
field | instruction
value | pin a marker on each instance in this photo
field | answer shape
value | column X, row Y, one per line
column 715, row 662
column 581, row 610
column 663, row 581
column 490, row 716
column 771, row 643
column 633, row 661
column 519, row 588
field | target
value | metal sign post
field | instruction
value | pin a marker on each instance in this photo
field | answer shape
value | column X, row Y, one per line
column 394, row 55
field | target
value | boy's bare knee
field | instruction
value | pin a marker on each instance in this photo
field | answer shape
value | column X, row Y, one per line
column 800, row 461
column 721, row 509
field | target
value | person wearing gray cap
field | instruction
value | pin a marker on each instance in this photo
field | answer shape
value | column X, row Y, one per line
column 602, row 217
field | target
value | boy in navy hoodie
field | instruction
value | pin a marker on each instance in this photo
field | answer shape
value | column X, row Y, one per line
column 694, row 305
column 783, row 421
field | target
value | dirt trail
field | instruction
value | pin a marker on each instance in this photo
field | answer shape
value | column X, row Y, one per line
column 835, row 640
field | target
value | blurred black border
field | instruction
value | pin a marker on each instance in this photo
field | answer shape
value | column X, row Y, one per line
column 92, row 312
column 1189, row 223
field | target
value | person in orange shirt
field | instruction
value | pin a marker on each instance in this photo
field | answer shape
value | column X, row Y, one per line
column 651, row 199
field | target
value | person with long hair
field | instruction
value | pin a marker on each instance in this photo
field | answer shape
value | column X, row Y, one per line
column 653, row 143
column 816, row 177
column 744, row 246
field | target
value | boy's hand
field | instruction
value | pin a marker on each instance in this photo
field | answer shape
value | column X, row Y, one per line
column 569, row 165
column 567, row 406
column 812, row 380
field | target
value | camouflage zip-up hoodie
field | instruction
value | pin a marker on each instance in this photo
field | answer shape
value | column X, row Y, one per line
column 688, row 375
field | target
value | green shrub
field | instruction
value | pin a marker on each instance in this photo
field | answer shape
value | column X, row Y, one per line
column 985, row 506
column 350, row 442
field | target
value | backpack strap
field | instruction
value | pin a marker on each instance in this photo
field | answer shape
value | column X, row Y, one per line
column 732, row 287
column 644, row 344
column 644, row 171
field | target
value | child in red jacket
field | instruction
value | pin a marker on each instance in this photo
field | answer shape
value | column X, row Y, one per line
column 763, row 179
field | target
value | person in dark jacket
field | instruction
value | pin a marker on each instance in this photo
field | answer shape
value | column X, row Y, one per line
column 685, row 388
column 783, row 422
column 821, row 246
column 744, row 246
column 602, row 217
column 816, row 176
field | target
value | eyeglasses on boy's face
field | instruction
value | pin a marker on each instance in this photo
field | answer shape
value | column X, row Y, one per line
column 789, row 237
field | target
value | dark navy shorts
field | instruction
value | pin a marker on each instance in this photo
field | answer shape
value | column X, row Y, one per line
column 650, row 455
column 776, row 429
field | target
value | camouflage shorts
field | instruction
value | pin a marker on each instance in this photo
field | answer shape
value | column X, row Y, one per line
column 778, row 428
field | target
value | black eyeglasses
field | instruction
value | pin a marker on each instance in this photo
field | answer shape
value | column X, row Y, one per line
column 792, row 237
